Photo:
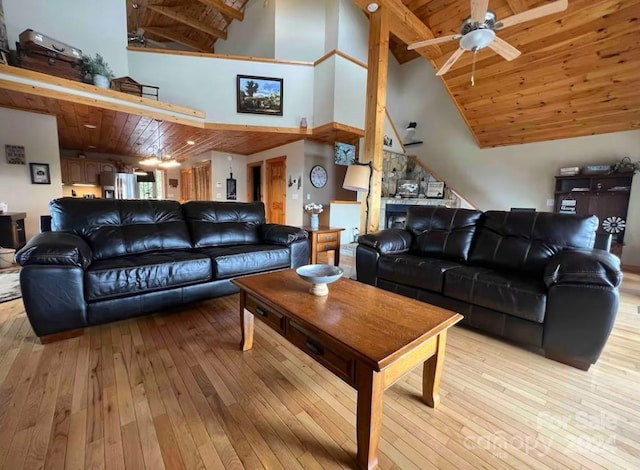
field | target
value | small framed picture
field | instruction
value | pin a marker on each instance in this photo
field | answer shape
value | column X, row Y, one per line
column 14, row 154
column 435, row 189
column 40, row 173
column 259, row 95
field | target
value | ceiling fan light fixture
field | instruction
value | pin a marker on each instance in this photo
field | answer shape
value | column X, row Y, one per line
column 477, row 39
column 372, row 7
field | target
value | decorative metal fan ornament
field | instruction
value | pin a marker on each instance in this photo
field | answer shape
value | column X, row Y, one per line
column 614, row 224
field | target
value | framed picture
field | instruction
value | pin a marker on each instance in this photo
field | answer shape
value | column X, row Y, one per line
column 231, row 188
column 14, row 154
column 40, row 173
column 345, row 154
column 259, row 95
column 435, row 189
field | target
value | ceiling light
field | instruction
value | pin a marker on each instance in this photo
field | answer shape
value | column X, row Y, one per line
column 150, row 161
column 90, row 126
column 190, row 142
column 372, row 7
column 170, row 164
column 478, row 39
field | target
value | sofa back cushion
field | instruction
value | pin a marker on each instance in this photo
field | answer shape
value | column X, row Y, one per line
column 115, row 227
column 442, row 233
column 524, row 241
column 224, row 223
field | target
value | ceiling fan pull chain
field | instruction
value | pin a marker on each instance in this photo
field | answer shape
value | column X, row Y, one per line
column 473, row 67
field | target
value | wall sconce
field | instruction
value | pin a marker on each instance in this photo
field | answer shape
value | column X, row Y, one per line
column 295, row 181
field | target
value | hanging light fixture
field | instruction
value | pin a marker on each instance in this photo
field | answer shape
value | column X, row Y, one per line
column 159, row 158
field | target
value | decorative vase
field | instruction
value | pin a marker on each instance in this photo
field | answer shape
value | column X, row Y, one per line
column 101, row 81
column 315, row 223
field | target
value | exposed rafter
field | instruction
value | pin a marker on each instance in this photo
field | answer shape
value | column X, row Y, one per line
column 174, row 13
column 224, row 8
column 176, row 37
column 404, row 24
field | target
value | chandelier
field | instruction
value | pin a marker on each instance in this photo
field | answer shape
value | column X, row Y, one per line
column 160, row 157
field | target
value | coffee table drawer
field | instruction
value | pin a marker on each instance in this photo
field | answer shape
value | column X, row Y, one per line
column 322, row 350
column 271, row 318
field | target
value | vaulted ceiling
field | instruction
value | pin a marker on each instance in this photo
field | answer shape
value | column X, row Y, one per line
column 196, row 24
column 579, row 72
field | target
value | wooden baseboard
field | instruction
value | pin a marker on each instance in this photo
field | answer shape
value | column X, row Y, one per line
column 46, row 339
column 628, row 268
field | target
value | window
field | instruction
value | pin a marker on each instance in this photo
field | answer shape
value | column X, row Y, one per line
column 152, row 190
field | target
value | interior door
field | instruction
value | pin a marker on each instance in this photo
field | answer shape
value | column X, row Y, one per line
column 276, row 190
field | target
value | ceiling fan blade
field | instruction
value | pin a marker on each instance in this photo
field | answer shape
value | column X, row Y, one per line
column 452, row 60
column 479, row 10
column 544, row 10
column 505, row 49
column 430, row 42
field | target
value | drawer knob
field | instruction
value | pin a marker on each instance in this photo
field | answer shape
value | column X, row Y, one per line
column 261, row 312
column 314, row 348
column 328, row 246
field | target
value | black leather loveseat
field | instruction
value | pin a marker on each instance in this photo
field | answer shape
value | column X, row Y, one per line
column 107, row 259
column 531, row 277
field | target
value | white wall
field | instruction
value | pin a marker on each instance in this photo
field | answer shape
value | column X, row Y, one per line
column 94, row 26
column 254, row 36
column 353, row 31
column 222, row 165
column 209, row 84
column 300, row 29
column 503, row 177
column 332, row 12
column 294, row 169
column 324, row 83
column 38, row 134
column 350, row 93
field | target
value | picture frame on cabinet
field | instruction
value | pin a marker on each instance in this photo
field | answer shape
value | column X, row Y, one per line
column 435, row 189
column 40, row 173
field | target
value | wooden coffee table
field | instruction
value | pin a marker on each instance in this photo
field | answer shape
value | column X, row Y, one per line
column 366, row 336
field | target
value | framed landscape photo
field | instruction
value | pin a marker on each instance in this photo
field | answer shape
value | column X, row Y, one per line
column 259, row 95
column 40, row 173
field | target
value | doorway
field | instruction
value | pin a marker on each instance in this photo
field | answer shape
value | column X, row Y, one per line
column 254, row 182
column 276, row 190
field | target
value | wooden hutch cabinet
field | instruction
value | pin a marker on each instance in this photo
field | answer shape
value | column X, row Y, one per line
column 603, row 195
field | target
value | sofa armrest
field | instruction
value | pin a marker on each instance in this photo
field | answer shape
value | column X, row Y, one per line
column 55, row 248
column 390, row 241
column 594, row 267
column 282, row 234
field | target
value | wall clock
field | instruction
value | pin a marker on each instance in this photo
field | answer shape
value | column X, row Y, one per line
column 318, row 176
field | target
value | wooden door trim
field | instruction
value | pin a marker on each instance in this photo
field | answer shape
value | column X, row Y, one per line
column 267, row 179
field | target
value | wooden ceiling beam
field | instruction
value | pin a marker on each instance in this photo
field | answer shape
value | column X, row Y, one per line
column 175, row 14
column 224, row 9
column 176, row 37
column 405, row 25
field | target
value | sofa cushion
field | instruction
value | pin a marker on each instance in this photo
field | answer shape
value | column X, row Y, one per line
column 415, row 271
column 224, row 223
column 442, row 232
column 525, row 241
column 520, row 296
column 134, row 274
column 115, row 227
column 231, row 261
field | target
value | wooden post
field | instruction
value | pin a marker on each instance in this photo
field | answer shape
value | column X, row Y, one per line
column 375, row 112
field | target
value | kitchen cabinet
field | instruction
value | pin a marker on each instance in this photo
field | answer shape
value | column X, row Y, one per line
column 605, row 196
column 86, row 171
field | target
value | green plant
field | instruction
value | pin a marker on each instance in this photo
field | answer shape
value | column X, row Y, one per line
column 96, row 66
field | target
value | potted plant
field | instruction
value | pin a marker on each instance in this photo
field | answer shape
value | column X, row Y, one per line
column 98, row 69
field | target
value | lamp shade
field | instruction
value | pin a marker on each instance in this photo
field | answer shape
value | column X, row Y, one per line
column 357, row 178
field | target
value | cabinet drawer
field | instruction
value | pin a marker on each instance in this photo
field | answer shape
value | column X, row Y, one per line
column 271, row 318
column 325, row 352
column 327, row 237
column 327, row 246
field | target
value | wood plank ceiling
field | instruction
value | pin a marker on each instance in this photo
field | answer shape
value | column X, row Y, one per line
column 196, row 24
column 578, row 73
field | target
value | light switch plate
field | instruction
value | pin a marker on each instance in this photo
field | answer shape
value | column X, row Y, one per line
column 294, row 196
column 550, row 202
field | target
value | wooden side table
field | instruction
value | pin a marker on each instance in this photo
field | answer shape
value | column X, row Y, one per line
column 12, row 233
column 324, row 239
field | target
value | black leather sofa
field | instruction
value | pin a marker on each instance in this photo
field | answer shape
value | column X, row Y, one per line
column 107, row 260
column 531, row 277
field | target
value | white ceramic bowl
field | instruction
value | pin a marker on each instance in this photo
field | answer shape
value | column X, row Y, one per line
column 319, row 275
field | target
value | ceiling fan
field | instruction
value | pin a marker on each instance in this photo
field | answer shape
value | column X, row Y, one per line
column 478, row 31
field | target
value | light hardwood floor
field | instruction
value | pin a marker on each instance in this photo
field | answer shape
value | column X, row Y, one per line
column 173, row 390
